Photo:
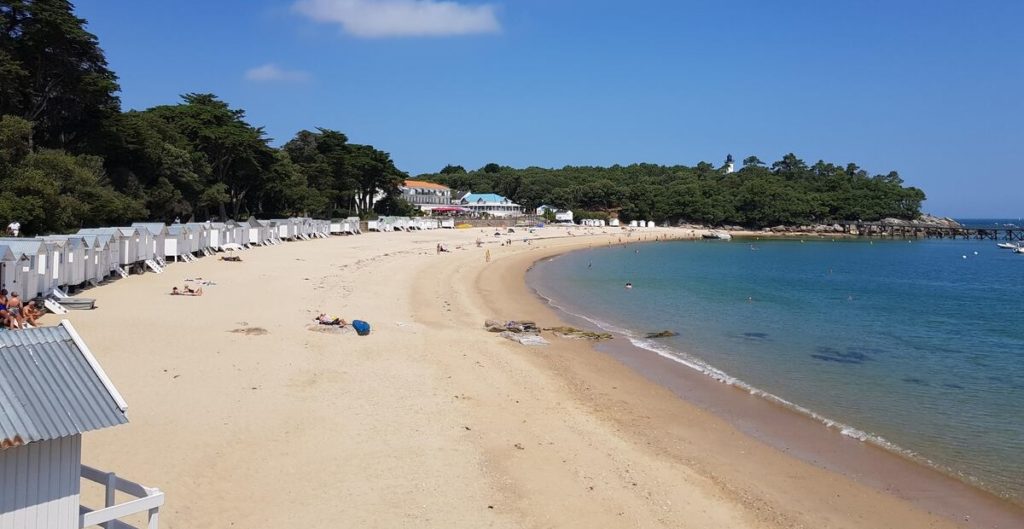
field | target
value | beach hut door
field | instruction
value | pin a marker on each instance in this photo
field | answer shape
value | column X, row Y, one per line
column 56, row 265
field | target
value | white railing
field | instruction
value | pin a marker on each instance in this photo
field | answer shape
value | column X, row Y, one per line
column 147, row 500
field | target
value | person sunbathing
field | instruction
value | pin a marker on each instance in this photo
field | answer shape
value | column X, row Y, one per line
column 232, row 258
column 187, row 291
column 323, row 319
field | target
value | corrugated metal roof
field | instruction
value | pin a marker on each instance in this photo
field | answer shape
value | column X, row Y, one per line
column 49, row 389
column 25, row 246
column 156, row 228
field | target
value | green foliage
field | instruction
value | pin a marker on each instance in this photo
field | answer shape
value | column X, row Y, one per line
column 53, row 73
column 789, row 192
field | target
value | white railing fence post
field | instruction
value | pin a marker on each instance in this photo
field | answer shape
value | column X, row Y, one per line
column 154, row 518
column 110, row 493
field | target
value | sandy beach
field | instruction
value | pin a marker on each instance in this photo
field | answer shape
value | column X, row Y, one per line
column 246, row 414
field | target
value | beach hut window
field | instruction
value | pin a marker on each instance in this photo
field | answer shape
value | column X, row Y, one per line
column 71, row 257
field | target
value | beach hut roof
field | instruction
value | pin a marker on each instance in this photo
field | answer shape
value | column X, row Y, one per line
column 176, row 229
column 25, row 246
column 51, row 386
column 156, row 228
column 6, row 254
column 72, row 241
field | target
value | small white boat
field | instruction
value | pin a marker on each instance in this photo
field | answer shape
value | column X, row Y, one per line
column 1019, row 249
column 1008, row 246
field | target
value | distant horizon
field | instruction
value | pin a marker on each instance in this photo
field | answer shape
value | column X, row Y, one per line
column 533, row 83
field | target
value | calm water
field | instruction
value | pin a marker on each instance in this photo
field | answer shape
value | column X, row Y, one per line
column 909, row 345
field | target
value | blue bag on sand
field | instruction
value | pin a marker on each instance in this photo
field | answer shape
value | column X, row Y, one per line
column 362, row 328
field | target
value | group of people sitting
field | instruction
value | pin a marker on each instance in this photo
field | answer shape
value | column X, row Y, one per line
column 186, row 291
column 14, row 314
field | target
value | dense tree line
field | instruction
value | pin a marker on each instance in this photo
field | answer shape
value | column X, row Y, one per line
column 69, row 157
column 787, row 192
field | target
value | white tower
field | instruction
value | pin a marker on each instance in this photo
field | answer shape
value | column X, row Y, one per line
column 729, row 167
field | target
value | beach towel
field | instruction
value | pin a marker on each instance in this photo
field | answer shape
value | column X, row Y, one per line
column 362, row 328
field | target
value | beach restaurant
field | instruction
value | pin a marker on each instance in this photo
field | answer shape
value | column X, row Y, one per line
column 491, row 204
column 52, row 391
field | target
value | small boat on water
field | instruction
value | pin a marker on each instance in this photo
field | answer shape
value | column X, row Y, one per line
column 1019, row 249
column 1008, row 245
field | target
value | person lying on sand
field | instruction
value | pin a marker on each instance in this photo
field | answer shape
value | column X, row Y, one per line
column 232, row 258
column 187, row 291
column 323, row 319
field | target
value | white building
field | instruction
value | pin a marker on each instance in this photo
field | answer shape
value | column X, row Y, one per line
column 52, row 390
column 491, row 204
column 426, row 195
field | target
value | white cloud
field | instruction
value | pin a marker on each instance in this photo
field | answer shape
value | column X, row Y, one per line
column 273, row 73
column 402, row 18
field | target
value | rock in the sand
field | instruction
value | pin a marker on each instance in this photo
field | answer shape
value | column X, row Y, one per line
column 518, row 326
column 525, row 339
column 662, row 334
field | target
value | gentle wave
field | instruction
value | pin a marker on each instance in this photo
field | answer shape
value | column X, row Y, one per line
column 721, row 376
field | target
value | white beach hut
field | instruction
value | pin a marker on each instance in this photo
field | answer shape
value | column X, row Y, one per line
column 158, row 239
column 177, row 243
column 123, row 249
column 71, row 259
column 200, row 238
column 36, row 279
column 143, row 242
column 52, row 390
column 17, row 273
column 214, row 235
column 97, row 257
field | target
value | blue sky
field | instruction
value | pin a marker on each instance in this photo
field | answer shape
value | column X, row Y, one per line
column 932, row 89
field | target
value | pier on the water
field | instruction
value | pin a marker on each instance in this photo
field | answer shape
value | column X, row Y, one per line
column 878, row 229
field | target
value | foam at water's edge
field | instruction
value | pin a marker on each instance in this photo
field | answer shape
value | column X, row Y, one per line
column 721, row 376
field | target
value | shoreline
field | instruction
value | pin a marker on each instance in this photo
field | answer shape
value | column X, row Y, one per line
column 806, row 435
column 244, row 413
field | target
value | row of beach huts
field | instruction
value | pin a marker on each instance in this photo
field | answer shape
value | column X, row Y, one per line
column 50, row 265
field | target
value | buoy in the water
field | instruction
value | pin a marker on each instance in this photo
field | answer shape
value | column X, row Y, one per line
column 965, row 257
column 975, row 253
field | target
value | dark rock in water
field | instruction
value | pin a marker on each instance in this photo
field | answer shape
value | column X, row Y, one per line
column 916, row 381
column 831, row 354
column 953, row 386
column 662, row 334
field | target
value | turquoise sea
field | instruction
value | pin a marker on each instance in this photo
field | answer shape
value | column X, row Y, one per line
column 916, row 346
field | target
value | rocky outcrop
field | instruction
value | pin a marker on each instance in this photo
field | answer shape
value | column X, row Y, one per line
column 924, row 221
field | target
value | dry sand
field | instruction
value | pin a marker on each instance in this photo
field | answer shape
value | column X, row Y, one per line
column 247, row 418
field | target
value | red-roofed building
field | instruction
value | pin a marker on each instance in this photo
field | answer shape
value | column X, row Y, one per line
column 426, row 195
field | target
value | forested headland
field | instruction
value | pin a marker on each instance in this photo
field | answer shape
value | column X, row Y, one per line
column 70, row 157
column 788, row 192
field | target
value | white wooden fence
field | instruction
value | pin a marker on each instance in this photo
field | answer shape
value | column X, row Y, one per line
column 146, row 500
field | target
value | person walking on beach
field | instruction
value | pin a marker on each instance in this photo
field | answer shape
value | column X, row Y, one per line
column 487, row 256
